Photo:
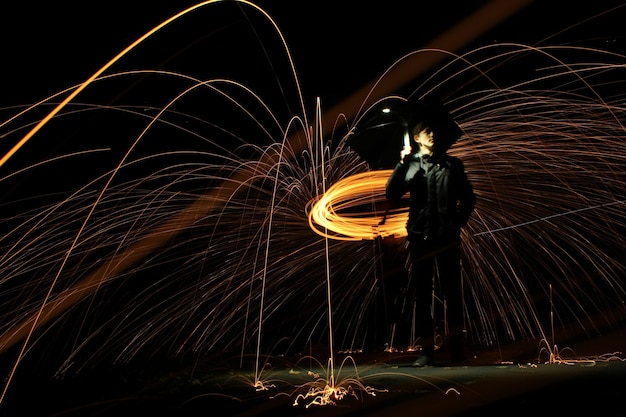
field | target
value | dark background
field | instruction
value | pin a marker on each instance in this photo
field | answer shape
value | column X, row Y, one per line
column 337, row 46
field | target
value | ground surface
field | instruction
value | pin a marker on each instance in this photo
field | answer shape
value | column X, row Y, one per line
column 382, row 384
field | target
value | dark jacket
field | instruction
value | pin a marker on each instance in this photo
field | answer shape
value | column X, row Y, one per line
column 442, row 198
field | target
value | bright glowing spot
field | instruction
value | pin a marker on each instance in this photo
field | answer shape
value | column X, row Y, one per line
column 356, row 208
column 323, row 391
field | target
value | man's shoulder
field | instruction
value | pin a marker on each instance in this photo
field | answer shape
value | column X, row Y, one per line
column 454, row 160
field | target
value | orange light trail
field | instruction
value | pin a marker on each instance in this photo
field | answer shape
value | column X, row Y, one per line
column 348, row 209
column 106, row 66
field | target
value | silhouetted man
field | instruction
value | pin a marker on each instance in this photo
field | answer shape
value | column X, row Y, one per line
column 441, row 201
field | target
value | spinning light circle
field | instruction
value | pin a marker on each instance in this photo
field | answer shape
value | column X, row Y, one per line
column 354, row 209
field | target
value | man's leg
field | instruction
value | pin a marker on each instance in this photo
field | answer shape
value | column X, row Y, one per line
column 422, row 291
column 450, row 277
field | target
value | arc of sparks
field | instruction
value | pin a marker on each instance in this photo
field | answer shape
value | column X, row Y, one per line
column 116, row 58
column 467, row 30
column 117, row 263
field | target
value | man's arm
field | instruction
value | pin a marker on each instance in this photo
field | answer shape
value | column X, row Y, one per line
column 396, row 184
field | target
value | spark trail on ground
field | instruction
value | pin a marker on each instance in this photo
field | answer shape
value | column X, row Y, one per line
column 164, row 251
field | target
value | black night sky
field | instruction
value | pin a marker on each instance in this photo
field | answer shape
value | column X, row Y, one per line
column 337, row 45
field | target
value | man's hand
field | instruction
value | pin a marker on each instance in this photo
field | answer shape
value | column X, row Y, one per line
column 406, row 150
